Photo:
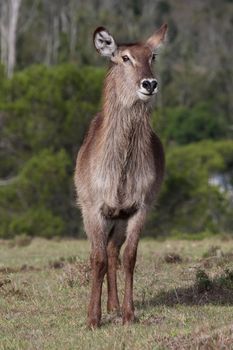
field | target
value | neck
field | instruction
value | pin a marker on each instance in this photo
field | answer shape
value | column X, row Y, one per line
column 125, row 127
column 125, row 139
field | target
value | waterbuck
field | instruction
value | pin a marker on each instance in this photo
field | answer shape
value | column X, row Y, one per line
column 120, row 168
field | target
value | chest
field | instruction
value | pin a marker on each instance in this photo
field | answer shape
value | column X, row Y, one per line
column 126, row 172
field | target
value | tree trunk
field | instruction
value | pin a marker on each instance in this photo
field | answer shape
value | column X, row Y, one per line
column 3, row 32
column 12, row 33
column 8, row 31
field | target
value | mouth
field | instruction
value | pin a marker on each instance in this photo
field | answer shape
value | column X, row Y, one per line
column 146, row 96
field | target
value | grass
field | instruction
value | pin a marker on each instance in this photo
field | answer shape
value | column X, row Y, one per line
column 183, row 297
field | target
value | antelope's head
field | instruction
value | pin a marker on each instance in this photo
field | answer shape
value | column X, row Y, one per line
column 132, row 64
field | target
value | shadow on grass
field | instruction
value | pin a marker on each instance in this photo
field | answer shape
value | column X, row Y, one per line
column 216, row 295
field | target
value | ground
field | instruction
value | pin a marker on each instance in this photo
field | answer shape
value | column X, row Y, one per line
column 183, row 296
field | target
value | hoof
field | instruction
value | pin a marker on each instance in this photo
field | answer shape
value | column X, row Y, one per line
column 93, row 323
column 128, row 318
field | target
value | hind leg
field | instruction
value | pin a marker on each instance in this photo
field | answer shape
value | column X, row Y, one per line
column 114, row 244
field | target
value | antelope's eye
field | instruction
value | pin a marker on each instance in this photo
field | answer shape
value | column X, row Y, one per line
column 125, row 58
column 153, row 57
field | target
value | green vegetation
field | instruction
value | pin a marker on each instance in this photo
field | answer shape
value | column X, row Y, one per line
column 37, row 204
column 55, row 89
column 184, row 302
column 195, row 124
column 189, row 203
column 43, row 127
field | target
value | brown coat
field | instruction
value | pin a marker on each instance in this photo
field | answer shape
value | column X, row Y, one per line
column 120, row 168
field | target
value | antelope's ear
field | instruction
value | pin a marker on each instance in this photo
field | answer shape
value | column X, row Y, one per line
column 104, row 42
column 158, row 38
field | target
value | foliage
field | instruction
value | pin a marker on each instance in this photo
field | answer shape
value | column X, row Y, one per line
column 50, row 107
column 44, row 113
column 193, row 124
column 44, row 116
column 189, row 202
column 37, row 203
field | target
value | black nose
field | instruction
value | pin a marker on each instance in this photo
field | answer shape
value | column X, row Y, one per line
column 150, row 85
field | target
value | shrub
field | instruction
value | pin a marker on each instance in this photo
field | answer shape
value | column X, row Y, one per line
column 38, row 202
column 189, row 203
column 22, row 240
column 43, row 115
column 46, row 108
column 193, row 124
column 36, row 222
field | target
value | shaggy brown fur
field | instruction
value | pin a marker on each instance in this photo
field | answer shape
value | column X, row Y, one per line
column 119, row 170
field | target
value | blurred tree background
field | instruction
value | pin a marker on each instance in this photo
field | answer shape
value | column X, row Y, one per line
column 50, row 87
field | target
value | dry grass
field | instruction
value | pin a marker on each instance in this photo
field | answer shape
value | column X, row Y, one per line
column 183, row 297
